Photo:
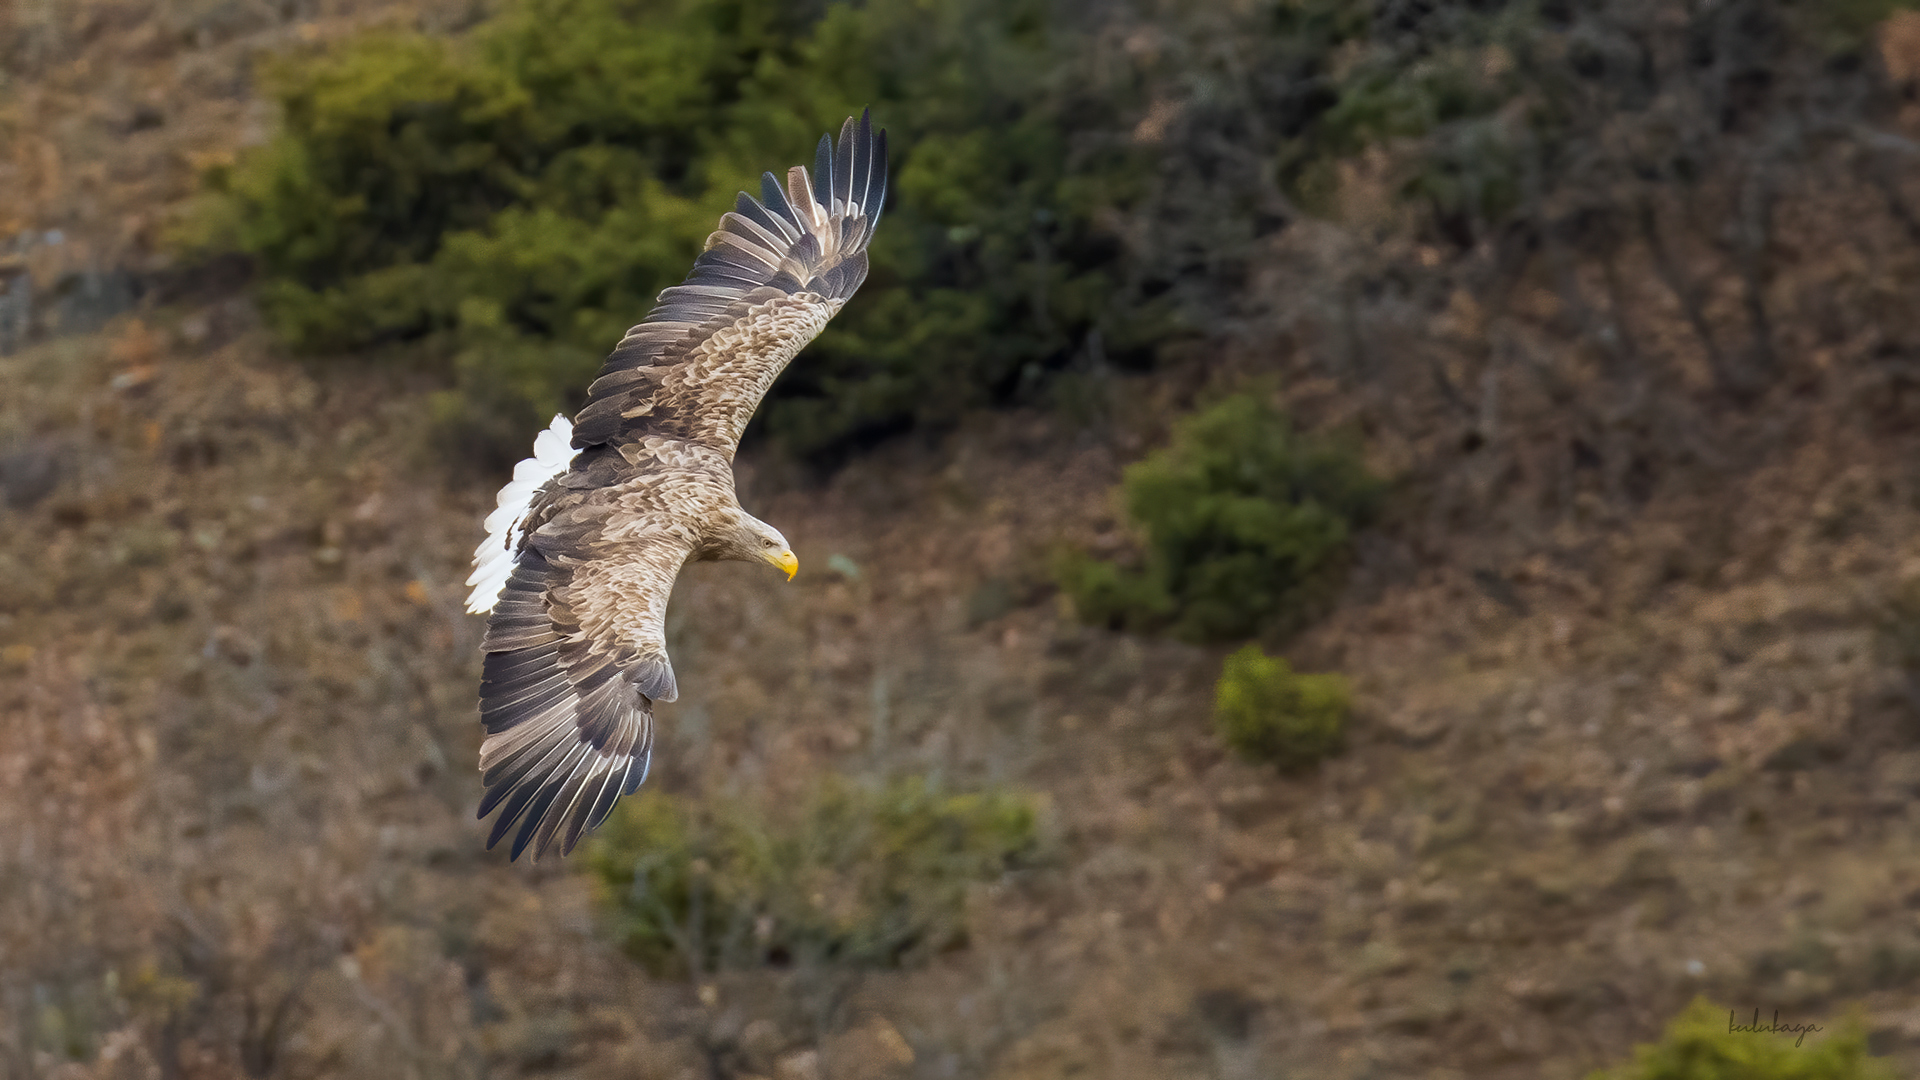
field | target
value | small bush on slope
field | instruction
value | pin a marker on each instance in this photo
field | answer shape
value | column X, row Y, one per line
column 1266, row 712
column 867, row 878
column 1244, row 521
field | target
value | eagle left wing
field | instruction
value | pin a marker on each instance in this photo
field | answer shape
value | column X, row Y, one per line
column 575, row 658
column 772, row 275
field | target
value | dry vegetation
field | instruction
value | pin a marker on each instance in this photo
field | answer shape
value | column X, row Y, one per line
column 1633, row 658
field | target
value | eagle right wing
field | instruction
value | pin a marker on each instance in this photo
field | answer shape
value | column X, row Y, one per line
column 772, row 275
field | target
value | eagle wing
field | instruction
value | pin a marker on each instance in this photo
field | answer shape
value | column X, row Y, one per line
column 771, row 276
column 593, row 529
column 575, row 658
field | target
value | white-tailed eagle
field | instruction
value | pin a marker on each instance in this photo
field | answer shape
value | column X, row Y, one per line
column 582, row 553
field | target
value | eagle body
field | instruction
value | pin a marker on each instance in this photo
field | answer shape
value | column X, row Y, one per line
column 591, row 532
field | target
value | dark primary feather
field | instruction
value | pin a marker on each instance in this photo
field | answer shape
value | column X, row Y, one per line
column 823, row 173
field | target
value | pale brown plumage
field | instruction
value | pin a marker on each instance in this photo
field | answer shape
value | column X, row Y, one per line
column 593, row 530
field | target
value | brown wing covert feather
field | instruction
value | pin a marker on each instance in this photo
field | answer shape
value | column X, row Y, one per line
column 771, row 276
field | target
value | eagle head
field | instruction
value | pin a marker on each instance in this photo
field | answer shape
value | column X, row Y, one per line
column 746, row 538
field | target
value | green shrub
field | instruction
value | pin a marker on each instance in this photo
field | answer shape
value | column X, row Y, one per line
column 519, row 195
column 1698, row 1045
column 1267, row 713
column 1106, row 593
column 1245, row 522
column 868, row 878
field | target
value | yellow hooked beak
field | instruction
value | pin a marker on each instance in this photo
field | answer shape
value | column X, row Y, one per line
column 787, row 562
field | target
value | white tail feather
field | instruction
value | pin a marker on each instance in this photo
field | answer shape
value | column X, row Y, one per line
column 493, row 560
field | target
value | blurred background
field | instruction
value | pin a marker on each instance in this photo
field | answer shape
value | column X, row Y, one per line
column 1340, row 539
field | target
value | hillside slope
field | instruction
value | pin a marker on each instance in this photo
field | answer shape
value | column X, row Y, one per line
column 1626, row 733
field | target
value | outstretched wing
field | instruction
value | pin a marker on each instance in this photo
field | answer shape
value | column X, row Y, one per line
column 575, row 658
column 769, row 279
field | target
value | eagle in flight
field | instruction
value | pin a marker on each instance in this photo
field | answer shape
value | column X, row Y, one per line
column 582, row 553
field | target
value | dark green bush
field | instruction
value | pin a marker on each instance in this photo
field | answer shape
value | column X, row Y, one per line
column 1245, row 522
column 1698, row 1045
column 1433, row 86
column 517, row 197
column 1265, row 712
column 861, row 877
column 1489, row 112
